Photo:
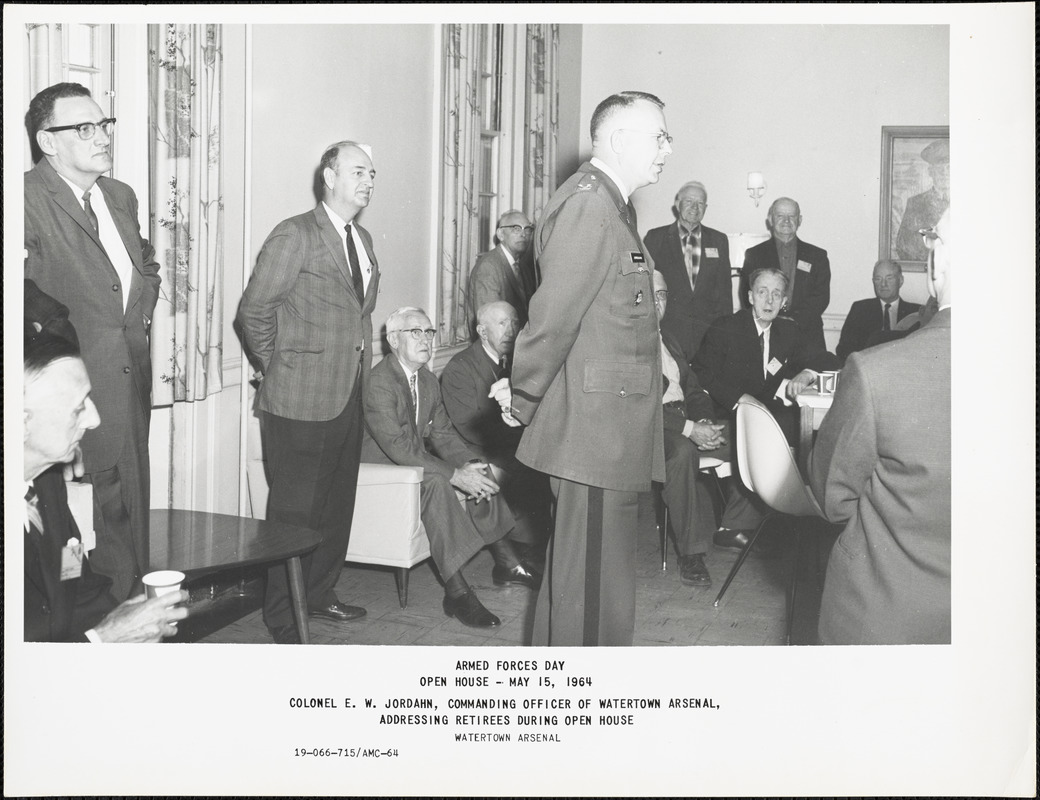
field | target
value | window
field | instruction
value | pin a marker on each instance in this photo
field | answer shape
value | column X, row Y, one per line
column 487, row 77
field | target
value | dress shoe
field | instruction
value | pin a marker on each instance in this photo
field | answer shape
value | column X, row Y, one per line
column 470, row 611
column 692, row 571
column 521, row 574
column 338, row 612
column 285, row 634
column 731, row 539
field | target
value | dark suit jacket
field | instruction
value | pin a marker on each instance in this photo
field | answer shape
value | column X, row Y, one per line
column 303, row 322
column 864, row 318
column 729, row 363
column 691, row 311
column 493, row 279
column 881, row 466
column 812, row 288
column 586, row 372
column 698, row 402
column 465, row 382
column 391, row 435
column 57, row 610
column 65, row 258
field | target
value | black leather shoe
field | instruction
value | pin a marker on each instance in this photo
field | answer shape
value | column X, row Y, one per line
column 692, row 571
column 338, row 612
column 519, row 575
column 732, row 539
column 470, row 611
column 285, row 634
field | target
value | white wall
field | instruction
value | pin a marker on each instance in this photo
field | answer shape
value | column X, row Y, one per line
column 803, row 104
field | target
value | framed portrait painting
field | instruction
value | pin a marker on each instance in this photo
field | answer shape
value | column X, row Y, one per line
column 915, row 189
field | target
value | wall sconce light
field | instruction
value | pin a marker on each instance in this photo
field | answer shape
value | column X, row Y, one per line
column 756, row 186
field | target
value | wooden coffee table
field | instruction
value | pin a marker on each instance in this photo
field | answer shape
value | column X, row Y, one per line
column 200, row 543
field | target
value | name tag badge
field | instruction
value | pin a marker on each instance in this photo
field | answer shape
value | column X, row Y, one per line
column 72, row 560
column 805, row 266
column 711, row 252
column 638, row 258
column 773, row 366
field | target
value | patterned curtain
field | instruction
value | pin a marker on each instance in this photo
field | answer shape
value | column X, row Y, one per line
column 186, row 228
column 542, row 116
column 461, row 143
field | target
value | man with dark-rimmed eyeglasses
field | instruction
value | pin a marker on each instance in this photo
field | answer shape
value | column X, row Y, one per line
column 505, row 273
column 83, row 247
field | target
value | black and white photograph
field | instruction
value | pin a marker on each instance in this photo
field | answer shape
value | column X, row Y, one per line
column 430, row 394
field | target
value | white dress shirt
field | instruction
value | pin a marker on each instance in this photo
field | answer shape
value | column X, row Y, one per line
column 340, row 225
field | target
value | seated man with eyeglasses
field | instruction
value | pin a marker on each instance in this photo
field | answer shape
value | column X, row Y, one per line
column 875, row 319
column 757, row 351
column 506, row 273
column 406, row 424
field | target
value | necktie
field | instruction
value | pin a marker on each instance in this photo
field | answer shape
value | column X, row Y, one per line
column 762, row 347
column 415, row 395
column 885, row 324
column 32, row 509
column 355, row 267
column 692, row 255
column 90, row 211
column 503, row 366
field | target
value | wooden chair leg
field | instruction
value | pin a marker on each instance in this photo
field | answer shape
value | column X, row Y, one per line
column 741, row 558
column 401, row 576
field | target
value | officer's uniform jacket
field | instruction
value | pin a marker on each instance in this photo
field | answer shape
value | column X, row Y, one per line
column 586, row 375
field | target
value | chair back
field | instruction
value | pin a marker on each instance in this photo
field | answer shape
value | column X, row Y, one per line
column 767, row 466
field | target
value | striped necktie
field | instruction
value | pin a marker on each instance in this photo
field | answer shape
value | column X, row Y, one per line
column 415, row 395
column 32, row 509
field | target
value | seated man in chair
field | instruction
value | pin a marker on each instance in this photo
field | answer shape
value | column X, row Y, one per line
column 772, row 358
column 688, row 432
column 406, row 424
column 465, row 383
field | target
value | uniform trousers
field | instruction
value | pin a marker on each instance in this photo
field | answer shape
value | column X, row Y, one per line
column 458, row 530
column 121, row 511
column 313, row 469
column 588, row 593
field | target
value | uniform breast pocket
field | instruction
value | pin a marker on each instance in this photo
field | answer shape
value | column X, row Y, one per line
column 617, row 377
column 632, row 293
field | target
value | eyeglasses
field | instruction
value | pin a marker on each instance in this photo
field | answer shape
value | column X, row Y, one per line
column 663, row 137
column 86, row 130
column 930, row 236
column 518, row 229
column 417, row 333
column 661, row 294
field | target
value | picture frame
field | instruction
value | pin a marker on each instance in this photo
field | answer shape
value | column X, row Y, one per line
column 915, row 189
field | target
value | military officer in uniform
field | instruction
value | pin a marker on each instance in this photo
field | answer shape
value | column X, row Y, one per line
column 586, row 378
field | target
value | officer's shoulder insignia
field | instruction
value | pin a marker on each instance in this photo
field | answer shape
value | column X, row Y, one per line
column 587, row 183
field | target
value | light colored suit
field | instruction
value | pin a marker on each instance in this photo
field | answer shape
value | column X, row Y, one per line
column 392, row 437
column 66, row 259
column 881, row 466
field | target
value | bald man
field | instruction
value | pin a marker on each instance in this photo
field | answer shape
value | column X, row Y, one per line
column 306, row 317
column 878, row 314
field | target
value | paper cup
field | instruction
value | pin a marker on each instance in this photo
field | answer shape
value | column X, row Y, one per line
column 162, row 582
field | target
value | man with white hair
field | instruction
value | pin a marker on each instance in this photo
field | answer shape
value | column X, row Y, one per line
column 806, row 267
column 694, row 260
column 881, row 466
column 306, row 318
column 406, row 424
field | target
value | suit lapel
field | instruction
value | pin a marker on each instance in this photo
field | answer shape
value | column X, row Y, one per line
column 373, row 281
column 511, row 276
column 128, row 233
column 331, row 238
